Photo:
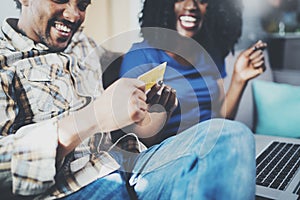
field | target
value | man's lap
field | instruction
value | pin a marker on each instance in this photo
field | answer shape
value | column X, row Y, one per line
column 198, row 140
column 180, row 166
column 111, row 187
column 196, row 157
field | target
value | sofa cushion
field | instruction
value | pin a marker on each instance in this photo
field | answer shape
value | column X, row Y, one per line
column 277, row 106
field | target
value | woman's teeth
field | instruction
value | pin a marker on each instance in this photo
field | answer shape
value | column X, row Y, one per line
column 188, row 18
column 188, row 21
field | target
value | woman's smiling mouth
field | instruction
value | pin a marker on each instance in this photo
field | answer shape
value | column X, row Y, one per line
column 189, row 22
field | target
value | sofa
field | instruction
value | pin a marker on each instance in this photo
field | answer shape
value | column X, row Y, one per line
column 270, row 104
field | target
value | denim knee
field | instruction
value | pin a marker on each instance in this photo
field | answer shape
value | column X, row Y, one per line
column 222, row 132
column 239, row 130
column 226, row 128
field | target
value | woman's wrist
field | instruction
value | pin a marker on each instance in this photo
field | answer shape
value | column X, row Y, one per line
column 238, row 79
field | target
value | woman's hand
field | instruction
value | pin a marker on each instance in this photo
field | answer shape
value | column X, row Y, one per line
column 162, row 98
column 250, row 63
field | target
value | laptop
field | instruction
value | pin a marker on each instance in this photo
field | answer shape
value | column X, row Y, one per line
column 277, row 168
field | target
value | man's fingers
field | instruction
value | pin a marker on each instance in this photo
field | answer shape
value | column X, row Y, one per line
column 139, row 84
column 138, row 93
column 138, row 115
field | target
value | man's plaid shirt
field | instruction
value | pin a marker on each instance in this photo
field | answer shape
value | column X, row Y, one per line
column 37, row 88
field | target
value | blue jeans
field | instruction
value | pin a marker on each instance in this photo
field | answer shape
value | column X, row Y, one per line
column 212, row 160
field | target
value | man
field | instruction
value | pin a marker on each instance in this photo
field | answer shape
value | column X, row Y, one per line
column 56, row 118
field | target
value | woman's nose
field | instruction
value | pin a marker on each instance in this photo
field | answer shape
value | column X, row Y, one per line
column 190, row 4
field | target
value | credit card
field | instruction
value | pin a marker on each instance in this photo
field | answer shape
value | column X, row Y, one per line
column 153, row 76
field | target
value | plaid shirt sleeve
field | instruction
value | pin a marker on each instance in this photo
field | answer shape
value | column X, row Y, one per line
column 29, row 158
column 37, row 87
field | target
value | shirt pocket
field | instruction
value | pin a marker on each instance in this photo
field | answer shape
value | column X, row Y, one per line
column 44, row 94
column 38, row 74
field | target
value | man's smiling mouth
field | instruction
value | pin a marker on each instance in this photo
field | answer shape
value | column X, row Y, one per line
column 62, row 29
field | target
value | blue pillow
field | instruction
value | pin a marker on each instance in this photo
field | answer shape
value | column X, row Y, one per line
column 277, row 108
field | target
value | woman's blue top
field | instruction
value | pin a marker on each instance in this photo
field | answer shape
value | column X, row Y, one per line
column 196, row 86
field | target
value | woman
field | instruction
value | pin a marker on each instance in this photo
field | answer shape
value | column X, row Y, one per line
column 216, row 26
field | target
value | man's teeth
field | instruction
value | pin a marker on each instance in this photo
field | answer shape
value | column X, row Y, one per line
column 188, row 18
column 63, row 28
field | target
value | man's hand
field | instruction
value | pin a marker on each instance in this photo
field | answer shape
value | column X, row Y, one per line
column 121, row 104
column 124, row 105
column 161, row 101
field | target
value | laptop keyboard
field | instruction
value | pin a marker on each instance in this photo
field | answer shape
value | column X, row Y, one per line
column 277, row 165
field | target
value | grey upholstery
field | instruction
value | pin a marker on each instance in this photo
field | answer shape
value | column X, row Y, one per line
column 288, row 76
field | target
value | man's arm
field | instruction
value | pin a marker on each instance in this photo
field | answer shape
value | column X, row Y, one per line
column 121, row 104
column 31, row 153
column 27, row 155
column 27, row 158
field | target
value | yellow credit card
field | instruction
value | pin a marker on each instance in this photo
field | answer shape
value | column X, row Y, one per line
column 154, row 75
